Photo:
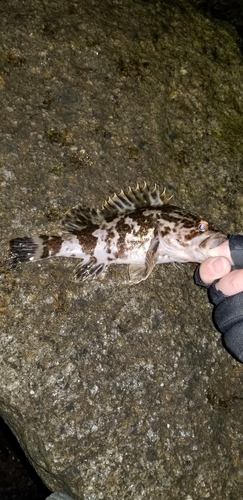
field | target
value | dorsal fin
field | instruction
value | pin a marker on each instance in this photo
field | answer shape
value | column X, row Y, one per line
column 124, row 202
column 130, row 200
column 81, row 216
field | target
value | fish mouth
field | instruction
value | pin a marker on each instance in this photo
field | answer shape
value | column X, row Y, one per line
column 216, row 240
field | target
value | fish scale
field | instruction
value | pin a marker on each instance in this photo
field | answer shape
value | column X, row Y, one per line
column 137, row 227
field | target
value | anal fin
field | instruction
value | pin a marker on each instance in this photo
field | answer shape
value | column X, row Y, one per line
column 89, row 269
column 140, row 272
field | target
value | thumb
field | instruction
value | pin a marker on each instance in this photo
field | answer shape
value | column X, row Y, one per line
column 214, row 268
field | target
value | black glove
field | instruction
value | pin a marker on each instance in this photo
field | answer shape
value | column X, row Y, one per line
column 228, row 310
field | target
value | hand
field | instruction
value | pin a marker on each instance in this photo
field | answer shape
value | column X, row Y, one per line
column 214, row 268
column 225, row 290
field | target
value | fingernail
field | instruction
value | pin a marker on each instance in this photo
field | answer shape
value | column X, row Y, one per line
column 217, row 264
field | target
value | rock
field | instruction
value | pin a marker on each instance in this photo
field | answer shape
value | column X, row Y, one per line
column 113, row 390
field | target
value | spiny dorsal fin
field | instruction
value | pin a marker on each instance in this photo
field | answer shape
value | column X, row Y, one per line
column 130, row 200
column 80, row 217
column 124, row 202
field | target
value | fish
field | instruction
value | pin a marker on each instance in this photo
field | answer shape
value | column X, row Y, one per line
column 138, row 227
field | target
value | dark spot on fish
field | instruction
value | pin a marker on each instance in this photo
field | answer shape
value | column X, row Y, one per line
column 122, row 229
column 192, row 234
column 51, row 245
column 187, row 223
column 145, row 222
column 86, row 239
column 173, row 214
column 166, row 230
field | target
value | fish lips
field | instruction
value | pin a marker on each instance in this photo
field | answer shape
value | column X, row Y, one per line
column 216, row 240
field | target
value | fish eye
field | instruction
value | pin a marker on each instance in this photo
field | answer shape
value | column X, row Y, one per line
column 202, row 226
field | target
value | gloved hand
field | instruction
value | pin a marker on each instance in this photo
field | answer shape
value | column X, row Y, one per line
column 223, row 277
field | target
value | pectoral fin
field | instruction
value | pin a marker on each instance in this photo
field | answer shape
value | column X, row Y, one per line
column 140, row 272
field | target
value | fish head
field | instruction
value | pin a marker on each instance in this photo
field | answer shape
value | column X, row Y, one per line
column 203, row 238
column 186, row 238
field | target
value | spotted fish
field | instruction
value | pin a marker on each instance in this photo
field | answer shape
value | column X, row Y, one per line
column 138, row 227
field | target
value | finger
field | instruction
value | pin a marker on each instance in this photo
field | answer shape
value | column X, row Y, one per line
column 232, row 283
column 214, row 268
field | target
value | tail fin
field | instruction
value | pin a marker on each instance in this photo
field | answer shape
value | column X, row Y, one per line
column 38, row 247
